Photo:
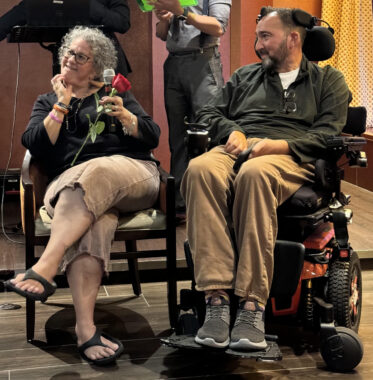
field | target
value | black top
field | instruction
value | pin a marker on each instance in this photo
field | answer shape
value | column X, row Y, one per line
column 74, row 129
column 114, row 15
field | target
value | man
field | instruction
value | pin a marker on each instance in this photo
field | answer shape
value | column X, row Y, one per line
column 114, row 15
column 192, row 71
column 285, row 108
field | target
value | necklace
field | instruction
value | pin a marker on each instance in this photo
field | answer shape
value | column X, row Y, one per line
column 73, row 115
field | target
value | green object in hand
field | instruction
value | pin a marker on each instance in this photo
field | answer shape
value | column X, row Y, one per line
column 145, row 7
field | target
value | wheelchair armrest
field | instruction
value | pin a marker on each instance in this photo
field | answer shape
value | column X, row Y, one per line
column 197, row 138
column 351, row 146
column 197, row 142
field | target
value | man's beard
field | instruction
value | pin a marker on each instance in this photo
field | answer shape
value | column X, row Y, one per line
column 274, row 62
column 269, row 63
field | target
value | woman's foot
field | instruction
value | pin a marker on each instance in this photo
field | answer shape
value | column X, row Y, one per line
column 96, row 352
column 32, row 285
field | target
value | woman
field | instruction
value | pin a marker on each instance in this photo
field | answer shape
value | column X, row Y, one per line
column 113, row 174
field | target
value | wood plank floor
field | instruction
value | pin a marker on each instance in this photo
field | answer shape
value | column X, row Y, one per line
column 140, row 322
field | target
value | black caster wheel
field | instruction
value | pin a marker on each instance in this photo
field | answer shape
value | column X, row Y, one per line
column 342, row 352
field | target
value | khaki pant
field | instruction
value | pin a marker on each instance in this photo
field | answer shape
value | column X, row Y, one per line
column 218, row 200
column 109, row 185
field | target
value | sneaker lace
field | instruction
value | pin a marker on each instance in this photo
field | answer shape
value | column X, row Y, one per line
column 247, row 316
column 217, row 311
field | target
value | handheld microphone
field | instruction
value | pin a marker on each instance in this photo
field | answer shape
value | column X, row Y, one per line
column 108, row 75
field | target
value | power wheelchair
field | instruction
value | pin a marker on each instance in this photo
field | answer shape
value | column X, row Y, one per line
column 321, row 291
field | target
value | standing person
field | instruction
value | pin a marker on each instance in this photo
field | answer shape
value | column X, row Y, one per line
column 114, row 15
column 192, row 70
column 115, row 173
column 284, row 108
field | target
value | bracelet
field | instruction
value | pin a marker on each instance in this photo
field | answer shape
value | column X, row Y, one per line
column 63, row 109
column 63, row 105
column 128, row 130
column 55, row 118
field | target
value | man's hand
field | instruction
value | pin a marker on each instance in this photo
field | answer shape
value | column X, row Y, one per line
column 172, row 6
column 236, row 143
column 163, row 15
column 267, row 146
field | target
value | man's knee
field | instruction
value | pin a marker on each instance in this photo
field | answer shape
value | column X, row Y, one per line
column 257, row 170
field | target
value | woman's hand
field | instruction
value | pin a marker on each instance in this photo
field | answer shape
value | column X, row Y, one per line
column 61, row 89
column 127, row 119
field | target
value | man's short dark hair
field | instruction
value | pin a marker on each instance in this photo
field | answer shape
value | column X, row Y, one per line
column 286, row 17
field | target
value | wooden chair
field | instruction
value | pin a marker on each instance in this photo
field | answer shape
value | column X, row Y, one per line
column 156, row 223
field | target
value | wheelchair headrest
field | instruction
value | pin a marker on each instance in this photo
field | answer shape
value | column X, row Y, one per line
column 319, row 43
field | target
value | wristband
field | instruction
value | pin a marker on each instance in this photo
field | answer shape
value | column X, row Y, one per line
column 55, row 118
column 58, row 108
column 63, row 105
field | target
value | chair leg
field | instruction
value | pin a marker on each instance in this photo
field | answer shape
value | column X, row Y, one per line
column 133, row 267
column 171, row 280
column 30, row 320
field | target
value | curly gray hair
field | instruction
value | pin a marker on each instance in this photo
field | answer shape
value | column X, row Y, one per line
column 103, row 49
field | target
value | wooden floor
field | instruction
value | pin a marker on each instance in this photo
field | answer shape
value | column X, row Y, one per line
column 140, row 322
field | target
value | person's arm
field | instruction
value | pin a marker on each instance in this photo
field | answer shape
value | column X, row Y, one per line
column 329, row 121
column 163, row 25
column 217, row 112
column 147, row 132
column 15, row 16
column 35, row 138
column 206, row 24
column 114, row 15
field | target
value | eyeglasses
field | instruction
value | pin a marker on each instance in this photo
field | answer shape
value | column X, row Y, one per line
column 80, row 58
column 288, row 99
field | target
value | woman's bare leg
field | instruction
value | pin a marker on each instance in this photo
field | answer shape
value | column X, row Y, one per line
column 70, row 221
column 84, row 276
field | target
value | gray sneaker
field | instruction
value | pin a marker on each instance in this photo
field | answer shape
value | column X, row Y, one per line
column 215, row 329
column 248, row 329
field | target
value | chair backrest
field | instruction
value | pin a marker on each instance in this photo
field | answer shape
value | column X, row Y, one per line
column 356, row 121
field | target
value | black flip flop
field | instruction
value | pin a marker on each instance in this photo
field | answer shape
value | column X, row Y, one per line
column 96, row 341
column 30, row 274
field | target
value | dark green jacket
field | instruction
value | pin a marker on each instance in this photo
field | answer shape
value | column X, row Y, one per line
column 252, row 102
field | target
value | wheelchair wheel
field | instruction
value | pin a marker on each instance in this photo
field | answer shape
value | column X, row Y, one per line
column 343, row 351
column 345, row 291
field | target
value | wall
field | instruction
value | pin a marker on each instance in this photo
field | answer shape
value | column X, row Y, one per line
column 35, row 72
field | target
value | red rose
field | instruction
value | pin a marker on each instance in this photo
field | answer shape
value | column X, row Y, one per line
column 120, row 83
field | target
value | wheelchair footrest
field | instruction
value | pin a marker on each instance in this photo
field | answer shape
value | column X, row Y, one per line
column 272, row 352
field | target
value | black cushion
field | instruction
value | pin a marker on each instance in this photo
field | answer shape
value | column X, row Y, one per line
column 305, row 201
